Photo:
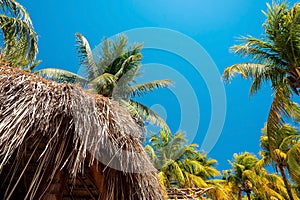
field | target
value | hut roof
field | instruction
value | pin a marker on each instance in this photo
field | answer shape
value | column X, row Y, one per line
column 58, row 140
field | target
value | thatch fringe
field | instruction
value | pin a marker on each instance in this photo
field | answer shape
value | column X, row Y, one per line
column 57, row 128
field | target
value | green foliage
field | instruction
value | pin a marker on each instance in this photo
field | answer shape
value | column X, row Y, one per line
column 111, row 72
column 275, row 59
column 248, row 178
column 182, row 166
column 293, row 163
column 20, row 40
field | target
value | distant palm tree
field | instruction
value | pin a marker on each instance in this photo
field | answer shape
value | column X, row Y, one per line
column 275, row 59
column 20, row 40
column 183, row 166
column 112, row 74
column 287, row 137
column 247, row 177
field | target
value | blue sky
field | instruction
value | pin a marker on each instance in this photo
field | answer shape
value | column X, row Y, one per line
column 215, row 25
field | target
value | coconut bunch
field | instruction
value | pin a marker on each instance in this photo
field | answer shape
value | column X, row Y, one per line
column 54, row 128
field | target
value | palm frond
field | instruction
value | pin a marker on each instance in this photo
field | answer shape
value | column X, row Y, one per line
column 281, row 106
column 60, row 75
column 194, row 180
column 259, row 74
column 259, row 50
column 15, row 9
column 149, row 115
column 104, row 84
column 293, row 162
column 20, row 41
column 86, row 57
column 282, row 27
column 143, row 88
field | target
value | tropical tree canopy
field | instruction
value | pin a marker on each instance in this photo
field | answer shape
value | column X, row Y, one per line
column 274, row 59
column 19, row 38
column 247, row 177
column 287, row 137
column 183, row 166
column 111, row 72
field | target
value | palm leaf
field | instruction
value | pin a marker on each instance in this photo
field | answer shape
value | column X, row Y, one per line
column 293, row 162
column 143, row 88
column 194, row 180
column 16, row 10
column 86, row 57
column 281, row 105
column 20, row 41
column 149, row 115
column 104, row 84
column 259, row 50
column 258, row 72
column 60, row 75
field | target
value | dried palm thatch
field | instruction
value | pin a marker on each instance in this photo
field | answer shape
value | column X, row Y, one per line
column 54, row 135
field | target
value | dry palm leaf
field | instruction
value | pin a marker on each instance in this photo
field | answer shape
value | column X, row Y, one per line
column 53, row 129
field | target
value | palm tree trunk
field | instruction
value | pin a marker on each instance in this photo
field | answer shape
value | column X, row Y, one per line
column 248, row 195
column 286, row 182
column 240, row 194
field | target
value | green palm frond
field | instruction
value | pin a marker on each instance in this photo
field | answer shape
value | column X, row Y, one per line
column 163, row 179
column 143, row 88
column 177, row 173
column 60, row 75
column 132, row 59
column 289, row 141
column 293, row 163
column 149, row 115
column 20, row 42
column 104, row 84
column 281, row 106
column 282, row 27
column 259, row 74
column 196, row 181
column 151, row 153
column 220, row 190
column 86, row 57
column 259, row 50
column 131, row 108
column 16, row 10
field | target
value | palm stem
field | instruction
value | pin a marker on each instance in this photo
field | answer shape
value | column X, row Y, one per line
column 286, row 182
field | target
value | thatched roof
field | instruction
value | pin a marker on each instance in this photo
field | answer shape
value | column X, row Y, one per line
column 186, row 193
column 54, row 136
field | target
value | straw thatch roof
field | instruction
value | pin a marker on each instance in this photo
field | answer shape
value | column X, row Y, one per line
column 186, row 193
column 58, row 141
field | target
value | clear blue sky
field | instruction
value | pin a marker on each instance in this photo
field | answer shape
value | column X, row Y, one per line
column 213, row 24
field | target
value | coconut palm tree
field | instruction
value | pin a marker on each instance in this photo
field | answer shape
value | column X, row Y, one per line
column 287, row 139
column 275, row 59
column 112, row 74
column 183, row 166
column 253, row 180
column 20, row 40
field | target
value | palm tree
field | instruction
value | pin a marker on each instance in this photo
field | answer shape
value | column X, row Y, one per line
column 248, row 177
column 287, row 138
column 275, row 59
column 112, row 74
column 183, row 166
column 20, row 40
